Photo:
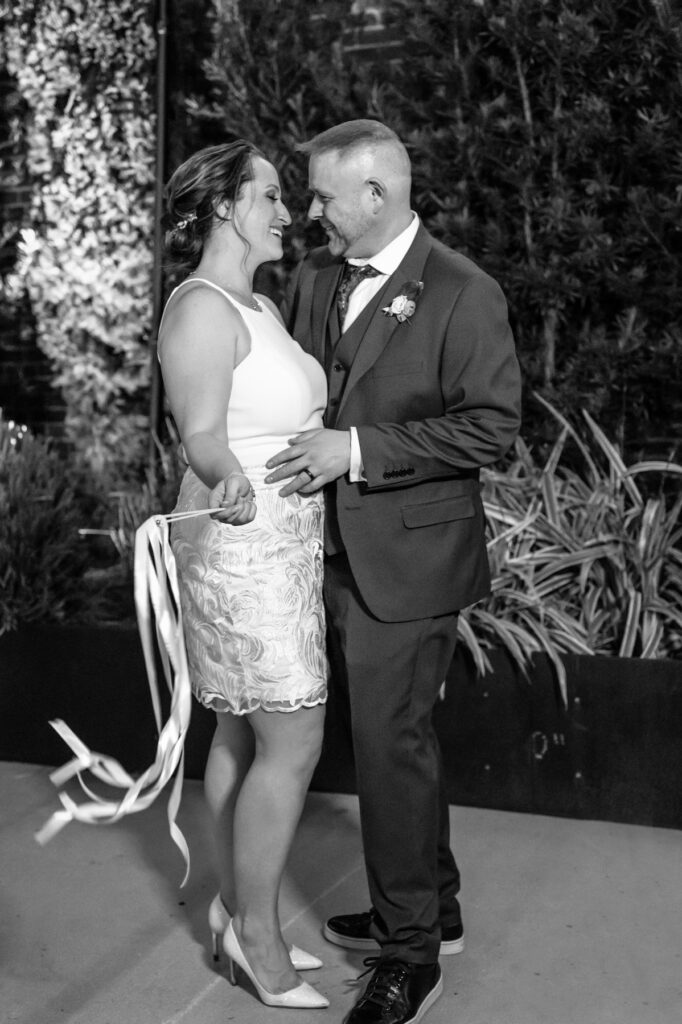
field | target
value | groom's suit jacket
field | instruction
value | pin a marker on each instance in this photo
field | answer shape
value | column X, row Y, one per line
column 433, row 399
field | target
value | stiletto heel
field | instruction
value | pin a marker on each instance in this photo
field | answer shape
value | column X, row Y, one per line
column 219, row 919
column 231, row 973
column 302, row 997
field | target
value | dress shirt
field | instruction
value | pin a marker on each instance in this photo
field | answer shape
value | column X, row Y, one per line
column 386, row 262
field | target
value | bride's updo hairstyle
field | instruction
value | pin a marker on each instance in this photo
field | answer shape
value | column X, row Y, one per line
column 193, row 194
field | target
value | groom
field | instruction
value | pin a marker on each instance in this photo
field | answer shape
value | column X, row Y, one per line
column 424, row 389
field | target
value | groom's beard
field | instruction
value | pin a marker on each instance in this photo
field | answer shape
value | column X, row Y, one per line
column 335, row 242
column 352, row 237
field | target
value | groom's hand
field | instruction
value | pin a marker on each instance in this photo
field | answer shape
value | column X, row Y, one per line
column 313, row 459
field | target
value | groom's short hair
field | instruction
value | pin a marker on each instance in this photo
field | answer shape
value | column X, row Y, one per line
column 351, row 135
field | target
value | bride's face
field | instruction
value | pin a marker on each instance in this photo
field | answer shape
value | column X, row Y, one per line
column 259, row 215
column 342, row 203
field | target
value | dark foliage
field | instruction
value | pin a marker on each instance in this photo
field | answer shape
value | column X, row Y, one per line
column 545, row 141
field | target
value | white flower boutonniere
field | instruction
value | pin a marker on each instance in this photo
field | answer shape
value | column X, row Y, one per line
column 403, row 306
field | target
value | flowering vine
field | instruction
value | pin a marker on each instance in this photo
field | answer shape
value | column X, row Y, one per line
column 84, row 70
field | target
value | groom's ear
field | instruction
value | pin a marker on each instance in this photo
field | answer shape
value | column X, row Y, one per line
column 377, row 192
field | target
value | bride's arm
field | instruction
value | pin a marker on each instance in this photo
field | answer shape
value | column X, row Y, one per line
column 198, row 352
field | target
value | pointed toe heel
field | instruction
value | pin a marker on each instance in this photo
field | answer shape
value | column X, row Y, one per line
column 302, row 997
column 218, row 920
column 303, row 961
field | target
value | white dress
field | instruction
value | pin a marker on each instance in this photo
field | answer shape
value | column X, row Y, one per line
column 251, row 595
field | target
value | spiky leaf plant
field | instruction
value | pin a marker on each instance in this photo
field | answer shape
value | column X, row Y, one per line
column 584, row 560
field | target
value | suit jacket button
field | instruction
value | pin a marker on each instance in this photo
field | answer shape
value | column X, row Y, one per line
column 337, row 367
column 333, row 401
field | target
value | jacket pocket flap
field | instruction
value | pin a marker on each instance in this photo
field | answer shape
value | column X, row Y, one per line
column 397, row 369
column 442, row 511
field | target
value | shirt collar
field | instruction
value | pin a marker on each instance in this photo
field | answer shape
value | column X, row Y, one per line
column 391, row 256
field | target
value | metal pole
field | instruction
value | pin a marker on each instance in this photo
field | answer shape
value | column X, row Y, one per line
column 156, row 395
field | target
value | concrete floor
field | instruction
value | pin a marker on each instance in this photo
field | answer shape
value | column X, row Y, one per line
column 567, row 922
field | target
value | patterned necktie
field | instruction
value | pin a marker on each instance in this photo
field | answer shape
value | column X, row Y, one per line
column 351, row 278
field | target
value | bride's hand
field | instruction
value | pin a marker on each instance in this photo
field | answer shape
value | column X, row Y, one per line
column 234, row 500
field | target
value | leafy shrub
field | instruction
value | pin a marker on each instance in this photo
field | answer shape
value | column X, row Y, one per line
column 43, row 561
column 545, row 143
column 66, row 539
column 582, row 559
column 126, row 509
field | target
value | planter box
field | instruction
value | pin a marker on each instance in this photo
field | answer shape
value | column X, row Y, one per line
column 95, row 679
column 614, row 754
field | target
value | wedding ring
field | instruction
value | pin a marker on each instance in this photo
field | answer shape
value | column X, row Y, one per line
column 308, row 473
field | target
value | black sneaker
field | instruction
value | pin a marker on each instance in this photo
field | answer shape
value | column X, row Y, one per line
column 353, row 931
column 397, row 993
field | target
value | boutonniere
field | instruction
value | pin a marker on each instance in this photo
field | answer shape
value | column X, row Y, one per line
column 403, row 306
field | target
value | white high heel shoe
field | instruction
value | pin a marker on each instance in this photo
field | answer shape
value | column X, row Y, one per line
column 302, row 997
column 219, row 919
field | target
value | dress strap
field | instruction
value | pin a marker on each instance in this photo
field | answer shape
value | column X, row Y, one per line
column 204, row 280
column 190, row 280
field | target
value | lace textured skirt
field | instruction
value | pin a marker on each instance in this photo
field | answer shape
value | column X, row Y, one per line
column 252, row 601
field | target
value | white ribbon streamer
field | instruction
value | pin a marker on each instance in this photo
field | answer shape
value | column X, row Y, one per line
column 156, row 590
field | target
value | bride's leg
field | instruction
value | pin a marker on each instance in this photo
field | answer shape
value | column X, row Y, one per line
column 229, row 759
column 268, row 809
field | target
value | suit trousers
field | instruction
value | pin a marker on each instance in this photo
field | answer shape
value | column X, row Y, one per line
column 385, row 680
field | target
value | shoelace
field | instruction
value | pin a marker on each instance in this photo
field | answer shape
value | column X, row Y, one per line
column 384, row 987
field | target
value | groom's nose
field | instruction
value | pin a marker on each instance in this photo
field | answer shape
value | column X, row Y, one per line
column 315, row 209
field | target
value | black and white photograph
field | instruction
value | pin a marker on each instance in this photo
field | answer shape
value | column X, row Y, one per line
column 340, row 511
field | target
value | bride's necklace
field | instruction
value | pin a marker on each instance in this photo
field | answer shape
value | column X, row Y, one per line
column 246, row 300
column 250, row 301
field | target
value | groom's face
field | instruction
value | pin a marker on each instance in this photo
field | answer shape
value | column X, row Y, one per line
column 342, row 203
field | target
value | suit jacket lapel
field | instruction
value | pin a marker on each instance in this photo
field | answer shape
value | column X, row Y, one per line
column 326, row 283
column 374, row 327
